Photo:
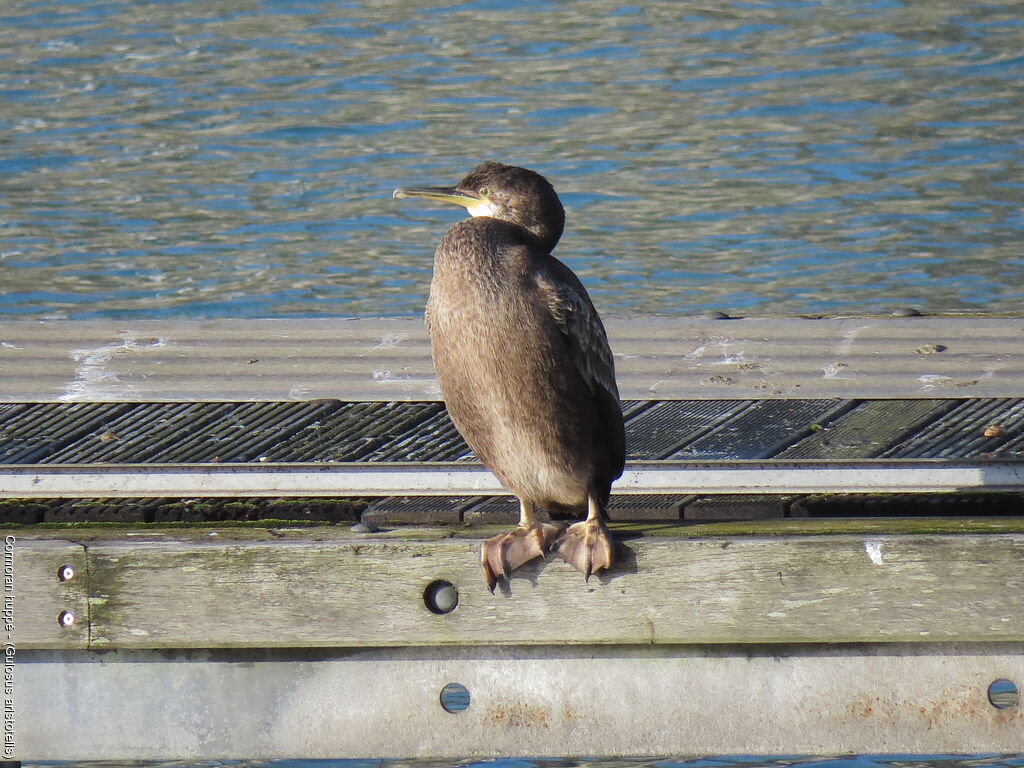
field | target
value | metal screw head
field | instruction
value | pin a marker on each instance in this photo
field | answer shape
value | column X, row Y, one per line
column 66, row 573
column 66, row 618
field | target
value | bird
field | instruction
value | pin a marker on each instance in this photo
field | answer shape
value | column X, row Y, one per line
column 524, row 366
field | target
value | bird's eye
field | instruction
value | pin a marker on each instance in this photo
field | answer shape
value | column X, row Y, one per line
column 485, row 191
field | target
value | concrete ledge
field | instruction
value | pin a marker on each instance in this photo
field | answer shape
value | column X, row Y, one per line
column 388, row 359
column 570, row 702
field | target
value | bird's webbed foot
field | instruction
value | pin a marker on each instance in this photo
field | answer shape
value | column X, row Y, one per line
column 502, row 554
column 587, row 546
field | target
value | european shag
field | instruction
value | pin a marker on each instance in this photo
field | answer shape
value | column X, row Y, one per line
column 524, row 366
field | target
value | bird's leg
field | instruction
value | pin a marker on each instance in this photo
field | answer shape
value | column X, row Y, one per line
column 587, row 545
column 502, row 554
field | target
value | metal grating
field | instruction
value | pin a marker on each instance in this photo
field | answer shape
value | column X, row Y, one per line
column 910, row 505
column 961, row 431
column 192, row 432
column 30, row 433
column 737, row 507
column 398, row 510
column 497, row 510
column 664, row 427
column 164, row 510
column 1011, row 443
column 500, row 510
column 333, row 431
column 762, row 429
column 354, row 432
column 433, row 439
column 624, row 507
column 868, row 429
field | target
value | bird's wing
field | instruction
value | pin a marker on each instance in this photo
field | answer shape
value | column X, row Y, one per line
column 587, row 342
column 574, row 313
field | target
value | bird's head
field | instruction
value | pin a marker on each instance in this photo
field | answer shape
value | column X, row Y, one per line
column 503, row 192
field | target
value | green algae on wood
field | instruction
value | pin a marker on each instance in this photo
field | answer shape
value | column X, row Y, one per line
column 322, row 588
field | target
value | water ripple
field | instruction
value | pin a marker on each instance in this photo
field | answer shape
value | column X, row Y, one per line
column 199, row 159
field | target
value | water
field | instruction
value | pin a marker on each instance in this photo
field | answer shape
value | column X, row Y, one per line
column 750, row 761
column 207, row 158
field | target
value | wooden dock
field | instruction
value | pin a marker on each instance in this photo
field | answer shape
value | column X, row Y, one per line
column 236, row 539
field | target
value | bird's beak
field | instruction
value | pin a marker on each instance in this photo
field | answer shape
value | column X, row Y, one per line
column 440, row 194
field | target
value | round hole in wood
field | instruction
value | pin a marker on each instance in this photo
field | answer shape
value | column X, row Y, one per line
column 440, row 597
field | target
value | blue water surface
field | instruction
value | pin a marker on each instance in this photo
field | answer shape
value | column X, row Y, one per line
column 209, row 158
column 737, row 761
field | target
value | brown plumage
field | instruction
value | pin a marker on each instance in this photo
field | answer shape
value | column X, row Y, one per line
column 524, row 366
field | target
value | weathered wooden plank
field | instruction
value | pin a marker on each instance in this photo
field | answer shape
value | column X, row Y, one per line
column 369, row 591
column 48, row 602
column 388, row 359
column 571, row 702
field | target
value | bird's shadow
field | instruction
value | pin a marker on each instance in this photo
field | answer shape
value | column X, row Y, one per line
column 625, row 563
column 529, row 572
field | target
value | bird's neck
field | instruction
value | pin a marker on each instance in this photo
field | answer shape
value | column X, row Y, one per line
column 545, row 235
column 486, row 254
